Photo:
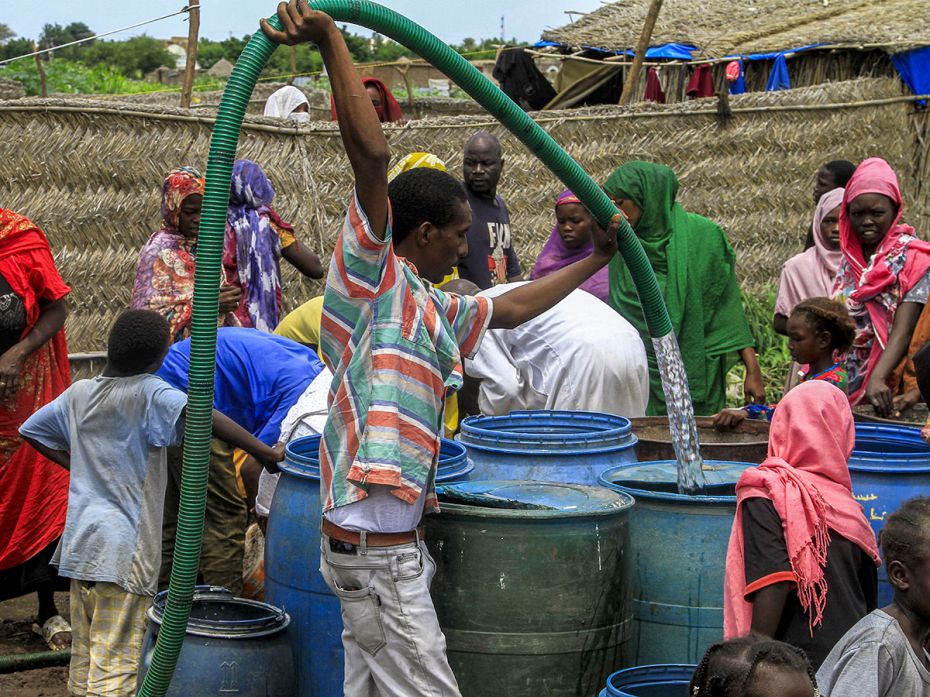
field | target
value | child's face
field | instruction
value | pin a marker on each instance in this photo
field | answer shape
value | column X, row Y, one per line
column 779, row 682
column 446, row 245
column 574, row 224
column 805, row 345
column 830, row 228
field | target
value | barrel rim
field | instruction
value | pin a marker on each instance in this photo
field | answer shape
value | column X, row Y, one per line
column 885, row 464
column 667, row 496
column 492, row 439
column 681, row 671
column 627, row 501
column 277, row 620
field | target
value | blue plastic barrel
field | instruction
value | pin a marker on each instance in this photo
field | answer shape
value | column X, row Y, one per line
column 292, row 564
column 679, row 545
column 232, row 645
column 574, row 447
column 650, row 681
column 889, row 465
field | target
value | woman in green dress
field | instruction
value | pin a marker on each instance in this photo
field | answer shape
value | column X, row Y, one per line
column 695, row 266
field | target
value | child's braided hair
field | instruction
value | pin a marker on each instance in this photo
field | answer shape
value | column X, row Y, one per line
column 825, row 315
column 729, row 667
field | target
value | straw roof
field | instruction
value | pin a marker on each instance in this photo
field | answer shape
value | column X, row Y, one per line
column 750, row 26
column 89, row 173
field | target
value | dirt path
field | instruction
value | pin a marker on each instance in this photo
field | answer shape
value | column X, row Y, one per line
column 16, row 617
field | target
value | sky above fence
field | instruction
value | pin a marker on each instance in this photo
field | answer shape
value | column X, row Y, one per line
column 451, row 20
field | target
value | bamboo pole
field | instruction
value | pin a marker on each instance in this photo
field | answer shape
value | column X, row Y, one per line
column 193, row 31
column 41, row 68
column 633, row 77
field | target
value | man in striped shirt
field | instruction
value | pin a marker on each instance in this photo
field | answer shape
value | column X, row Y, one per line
column 395, row 346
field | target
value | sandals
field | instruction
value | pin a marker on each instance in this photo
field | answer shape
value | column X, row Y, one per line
column 52, row 628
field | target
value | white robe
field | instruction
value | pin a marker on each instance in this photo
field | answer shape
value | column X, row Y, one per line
column 580, row 355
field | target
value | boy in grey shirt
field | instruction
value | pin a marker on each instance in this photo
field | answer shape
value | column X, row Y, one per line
column 112, row 432
column 884, row 654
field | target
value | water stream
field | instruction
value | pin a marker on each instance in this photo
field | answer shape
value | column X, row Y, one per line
column 681, row 424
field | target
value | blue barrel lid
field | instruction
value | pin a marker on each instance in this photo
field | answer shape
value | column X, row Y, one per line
column 525, row 498
column 215, row 613
column 548, row 430
column 659, row 481
column 889, row 450
column 656, row 676
column 302, row 459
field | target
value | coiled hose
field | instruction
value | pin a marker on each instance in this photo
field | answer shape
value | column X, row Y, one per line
column 207, row 280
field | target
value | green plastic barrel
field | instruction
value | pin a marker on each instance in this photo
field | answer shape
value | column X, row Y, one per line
column 533, row 585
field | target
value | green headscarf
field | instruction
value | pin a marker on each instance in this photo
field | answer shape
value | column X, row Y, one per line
column 695, row 266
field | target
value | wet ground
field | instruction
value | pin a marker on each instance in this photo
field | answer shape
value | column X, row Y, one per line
column 16, row 617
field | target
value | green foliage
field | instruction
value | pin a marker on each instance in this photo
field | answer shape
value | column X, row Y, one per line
column 6, row 32
column 133, row 58
column 56, row 35
column 771, row 348
column 14, row 48
column 68, row 76
column 209, row 52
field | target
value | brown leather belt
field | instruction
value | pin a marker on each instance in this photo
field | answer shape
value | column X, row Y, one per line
column 372, row 539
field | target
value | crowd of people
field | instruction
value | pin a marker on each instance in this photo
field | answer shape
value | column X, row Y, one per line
column 426, row 297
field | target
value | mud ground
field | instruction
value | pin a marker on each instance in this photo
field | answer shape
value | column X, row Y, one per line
column 16, row 618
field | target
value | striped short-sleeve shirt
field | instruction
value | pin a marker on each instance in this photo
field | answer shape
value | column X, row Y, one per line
column 395, row 347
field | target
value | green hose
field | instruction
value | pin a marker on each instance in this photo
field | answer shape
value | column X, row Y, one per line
column 209, row 255
column 17, row 662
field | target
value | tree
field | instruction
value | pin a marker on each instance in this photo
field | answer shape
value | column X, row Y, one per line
column 15, row 47
column 6, row 33
column 56, row 35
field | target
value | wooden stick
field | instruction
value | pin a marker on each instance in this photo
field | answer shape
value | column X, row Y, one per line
column 411, row 102
column 193, row 30
column 290, row 80
column 633, row 77
column 41, row 68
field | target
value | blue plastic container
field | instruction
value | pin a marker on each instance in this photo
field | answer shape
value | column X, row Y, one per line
column 679, row 546
column 232, row 645
column 573, row 447
column 650, row 681
column 889, row 465
column 292, row 564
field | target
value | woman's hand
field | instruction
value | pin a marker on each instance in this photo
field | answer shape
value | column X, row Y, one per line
column 230, row 297
column 905, row 401
column 11, row 367
column 754, row 387
column 879, row 395
column 730, row 418
column 605, row 241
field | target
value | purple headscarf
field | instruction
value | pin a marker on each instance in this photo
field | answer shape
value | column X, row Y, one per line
column 257, row 245
column 555, row 255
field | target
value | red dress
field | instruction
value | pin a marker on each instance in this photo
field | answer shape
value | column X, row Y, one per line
column 33, row 490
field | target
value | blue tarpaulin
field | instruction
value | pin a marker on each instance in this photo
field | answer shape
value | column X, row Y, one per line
column 778, row 77
column 739, row 87
column 914, row 69
column 669, row 51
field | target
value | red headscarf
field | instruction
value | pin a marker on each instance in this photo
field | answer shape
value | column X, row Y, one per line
column 389, row 111
column 878, row 288
column 33, row 491
column 806, row 477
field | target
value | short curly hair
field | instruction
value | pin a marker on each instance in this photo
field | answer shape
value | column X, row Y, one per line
column 825, row 315
column 905, row 536
column 137, row 339
column 423, row 195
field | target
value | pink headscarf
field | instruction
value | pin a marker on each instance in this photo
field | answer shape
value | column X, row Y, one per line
column 555, row 255
column 811, row 273
column 806, row 477
column 878, row 287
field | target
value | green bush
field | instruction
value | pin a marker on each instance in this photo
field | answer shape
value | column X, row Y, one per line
column 771, row 348
column 66, row 76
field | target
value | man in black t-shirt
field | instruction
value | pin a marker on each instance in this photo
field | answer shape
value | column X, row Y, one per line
column 491, row 258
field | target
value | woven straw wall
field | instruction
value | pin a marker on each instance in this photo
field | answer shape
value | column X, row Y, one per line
column 90, row 174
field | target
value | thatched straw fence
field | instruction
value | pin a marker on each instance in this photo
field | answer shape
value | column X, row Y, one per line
column 89, row 173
